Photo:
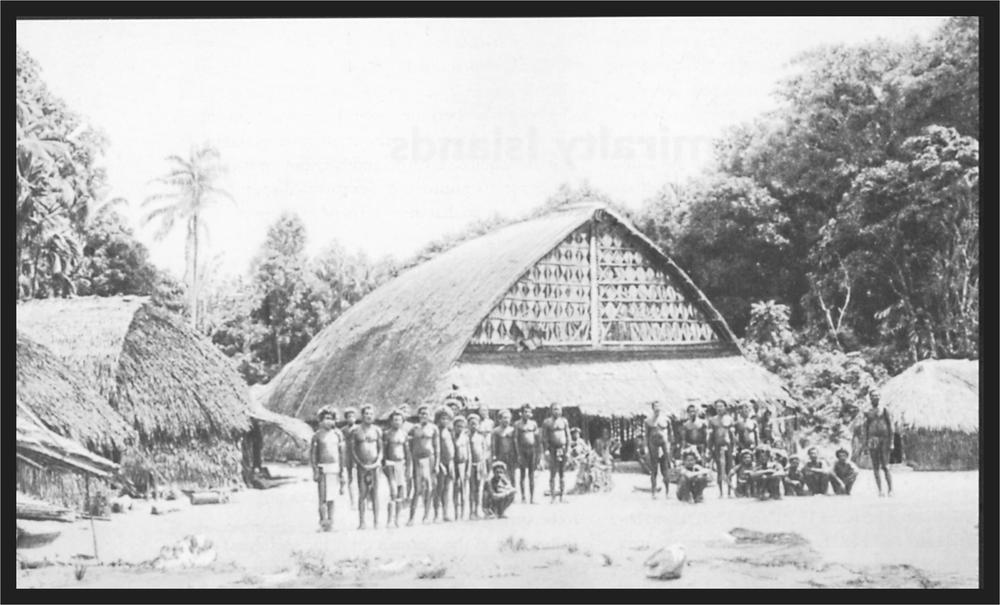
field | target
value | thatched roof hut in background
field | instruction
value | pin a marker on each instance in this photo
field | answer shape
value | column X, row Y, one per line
column 188, row 405
column 935, row 405
column 576, row 306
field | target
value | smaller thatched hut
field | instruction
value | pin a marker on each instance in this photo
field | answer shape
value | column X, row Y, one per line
column 935, row 405
column 189, row 407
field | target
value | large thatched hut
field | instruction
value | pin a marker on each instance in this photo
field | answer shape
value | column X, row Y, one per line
column 935, row 405
column 576, row 306
column 59, row 416
column 188, row 406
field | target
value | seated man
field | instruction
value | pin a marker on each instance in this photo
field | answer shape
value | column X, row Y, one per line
column 744, row 486
column 817, row 473
column 845, row 473
column 794, row 479
column 768, row 475
column 498, row 493
column 692, row 480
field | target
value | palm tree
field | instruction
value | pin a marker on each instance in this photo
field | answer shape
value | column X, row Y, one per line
column 190, row 188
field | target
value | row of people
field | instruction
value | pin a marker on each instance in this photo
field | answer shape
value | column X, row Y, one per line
column 442, row 464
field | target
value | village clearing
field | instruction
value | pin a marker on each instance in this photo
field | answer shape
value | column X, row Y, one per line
column 925, row 537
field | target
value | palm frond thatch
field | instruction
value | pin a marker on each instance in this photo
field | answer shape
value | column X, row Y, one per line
column 66, row 404
column 935, row 394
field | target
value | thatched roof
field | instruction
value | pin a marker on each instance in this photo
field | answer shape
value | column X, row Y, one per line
column 935, row 394
column 621, row 386
column 38, row 446
column 64, row 403
column 164, row 379
column 398, row 342
column 293, row 427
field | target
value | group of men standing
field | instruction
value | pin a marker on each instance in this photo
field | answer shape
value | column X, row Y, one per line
column 742, row 443
column 460, row 465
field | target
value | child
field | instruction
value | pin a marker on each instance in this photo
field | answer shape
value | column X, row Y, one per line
column 744, row 487
column 326, row 452
column 693, row 479
column 845, row 473
column 794, row 479
column 499, row 493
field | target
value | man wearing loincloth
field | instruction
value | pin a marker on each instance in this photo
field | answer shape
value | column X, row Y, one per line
column 463, row 460
column 444, row 480
column 424, row 453
column 367, row 446
column 406, row 411
column 555, row 441
column 741, row 472
column 527, row 446
column 498, row 494
column 794, row 481
column 326, row 452
column 846, row 472
column 347, row 428
column 767, row 475
column 478, row 464
column 396, row 465
column 720, row 443
column 695, row 432
column 745, row 429
column 503, row 446
column 486, row 427
column 817, row 473
column 658, row 447
column 878, row 434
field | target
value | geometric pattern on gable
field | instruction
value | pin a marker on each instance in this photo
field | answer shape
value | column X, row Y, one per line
column 639, row 303
column 550, row 304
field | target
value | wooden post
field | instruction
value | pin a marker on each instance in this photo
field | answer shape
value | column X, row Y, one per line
column 595, row 302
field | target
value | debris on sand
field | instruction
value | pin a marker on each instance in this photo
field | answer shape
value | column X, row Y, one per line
column 190, row 551
column 434, row 573
column 750, row 536
column 607, row 560
column 666, row 563
column 513, row 545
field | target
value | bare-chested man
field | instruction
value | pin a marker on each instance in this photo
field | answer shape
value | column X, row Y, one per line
column 463, row 460
column 528, row 447
column 326, row 454
column 396, row 466
column 720, row 442
column 555, row 441
column 745, row 429
column 503, row 448
column 444, row 479
column 658, row 447
column 486, row 427
column 347, row 429
column 478, row 464
column 878, row 434
column 695, row 432
column 408, row 425
column 366, row 443
column 424, row 453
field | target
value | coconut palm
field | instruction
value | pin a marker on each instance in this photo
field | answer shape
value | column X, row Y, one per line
column 189, row 188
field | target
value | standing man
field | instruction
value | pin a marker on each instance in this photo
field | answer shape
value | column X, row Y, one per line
column 503, row 448
column 555, row 440
column 445, row 468
column 397, row 465
column 463, row 461
column 878, row 433
column 695, row 432
column 720, row 442
column 658, row 447
column 745, row 428
column 478, row 464
column 486, row 427
column 326, row 453
column 424, row 453
column 527, row 445
column 367, row 445
column 350, row 420
column 406, row 412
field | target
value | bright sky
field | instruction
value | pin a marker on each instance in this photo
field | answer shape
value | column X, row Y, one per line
column 386, row 134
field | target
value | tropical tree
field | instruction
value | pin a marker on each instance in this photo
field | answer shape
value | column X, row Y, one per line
column 189, row 188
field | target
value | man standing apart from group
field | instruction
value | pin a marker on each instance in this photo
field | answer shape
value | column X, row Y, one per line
column 326, row 454
column 424, row 452
column 555, row 439
column 658, row 447
column 878, row 438
column 397, row 466
column 526, row 445
column 367, row 449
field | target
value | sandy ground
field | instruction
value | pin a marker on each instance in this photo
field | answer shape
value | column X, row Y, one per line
column 925, row 536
